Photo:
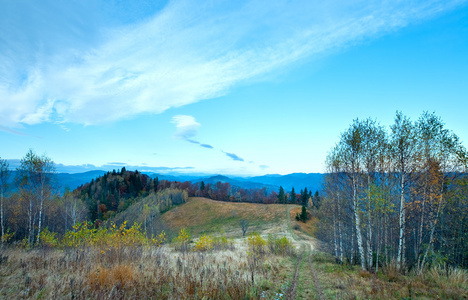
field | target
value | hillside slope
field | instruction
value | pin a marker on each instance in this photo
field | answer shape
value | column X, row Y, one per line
column 202, row 215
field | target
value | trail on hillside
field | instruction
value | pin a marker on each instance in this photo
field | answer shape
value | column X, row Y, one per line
column 318, row 286
column 305, row 242
column 291, row 293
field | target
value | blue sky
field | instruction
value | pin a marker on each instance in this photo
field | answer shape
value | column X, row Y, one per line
column 243, row 88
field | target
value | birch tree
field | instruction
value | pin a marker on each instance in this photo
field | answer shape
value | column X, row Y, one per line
column 403, row 142
column 439, row 162
column 35, row 181
column 4, row 176
column 374, row 145
column 352, row 151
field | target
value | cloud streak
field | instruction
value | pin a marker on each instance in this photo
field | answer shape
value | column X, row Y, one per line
column 74, row 71
column 206, row 146
column 233, row 156
column 187, row 128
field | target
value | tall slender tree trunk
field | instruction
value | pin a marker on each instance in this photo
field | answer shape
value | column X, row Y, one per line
column 357, row 220
column 335, row 238
column 431, row 237
column 2, row 221
column 30, row 225
column 352, row 246
column 340, row 234
column 40, row 211
column 369, row 229
column 402, row 223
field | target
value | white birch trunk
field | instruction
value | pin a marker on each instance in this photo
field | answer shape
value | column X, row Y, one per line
column 358, row 224
column 40, row 209
column 402, row 223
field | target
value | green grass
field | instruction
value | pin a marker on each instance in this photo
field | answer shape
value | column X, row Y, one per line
column 306, row 287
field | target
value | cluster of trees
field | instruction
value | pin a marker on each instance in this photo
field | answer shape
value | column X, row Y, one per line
column 115, row 191
column 30, row 202
column 34, row 206
column 117, row 195
column 397, row 195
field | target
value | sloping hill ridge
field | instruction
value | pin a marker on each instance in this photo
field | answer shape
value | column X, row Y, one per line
column 202, row 215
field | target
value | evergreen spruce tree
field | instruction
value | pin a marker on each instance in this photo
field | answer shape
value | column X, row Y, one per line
column 304, row 197
column 281, row 196
column 316, row 200
column 293, row 196
column 303, row 217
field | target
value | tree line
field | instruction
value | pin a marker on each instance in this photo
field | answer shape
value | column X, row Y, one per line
column 397, row 195
column 36, row 203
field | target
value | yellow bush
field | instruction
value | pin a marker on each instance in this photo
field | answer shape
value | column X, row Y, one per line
column 7, row 236
column 83, row 234
column 204, row 243
column 47, row 238
column 181, row 242
column 256, row 243
column 159, row 240
column 280, row 246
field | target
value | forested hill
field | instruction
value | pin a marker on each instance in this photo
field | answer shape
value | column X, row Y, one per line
column 115, row 191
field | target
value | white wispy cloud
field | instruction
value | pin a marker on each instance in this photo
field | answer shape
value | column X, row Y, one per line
column 187, row 127
column 71, row 70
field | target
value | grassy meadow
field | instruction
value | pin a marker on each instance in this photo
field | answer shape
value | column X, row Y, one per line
column 208, row 259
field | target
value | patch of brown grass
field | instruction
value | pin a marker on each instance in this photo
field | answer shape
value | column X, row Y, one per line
column 202, row 215
column 309, row 227
column 157, row 273
column 108, row 277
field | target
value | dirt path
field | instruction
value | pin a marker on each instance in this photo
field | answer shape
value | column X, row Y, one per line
column 318, row 286
column 306, row 242
column 292, row 290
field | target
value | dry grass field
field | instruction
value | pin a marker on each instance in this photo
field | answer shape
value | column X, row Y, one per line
column 160, row 273
column 236, row 268
column 201, row 215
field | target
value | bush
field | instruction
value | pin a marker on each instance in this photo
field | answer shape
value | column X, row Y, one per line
column 85, row 235
column 47, row 239
column 280, row 246
column 223, row 243
column 256, row 243
column 181, row 242
column 204, row 243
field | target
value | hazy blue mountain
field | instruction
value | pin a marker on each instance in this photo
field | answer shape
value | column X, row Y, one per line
column 76, row 179
column 271, row 182
column 312, row 181
column 245, row 184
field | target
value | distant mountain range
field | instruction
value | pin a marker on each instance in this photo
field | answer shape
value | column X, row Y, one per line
column 272, row 182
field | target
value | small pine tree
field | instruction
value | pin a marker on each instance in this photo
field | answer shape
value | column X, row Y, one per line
column 303, row 217
column 281, row 196
column 293, row 196
column 316, row 200
column 304, row 197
